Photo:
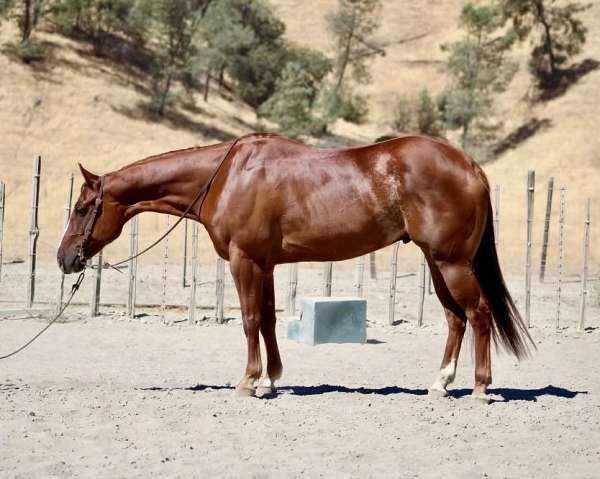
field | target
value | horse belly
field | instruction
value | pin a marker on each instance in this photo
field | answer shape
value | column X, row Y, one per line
column 341, row 228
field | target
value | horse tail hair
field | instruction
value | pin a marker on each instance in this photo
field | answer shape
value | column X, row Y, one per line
column 508, row 327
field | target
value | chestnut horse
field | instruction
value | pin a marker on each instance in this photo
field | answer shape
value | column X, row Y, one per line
column 269, row 200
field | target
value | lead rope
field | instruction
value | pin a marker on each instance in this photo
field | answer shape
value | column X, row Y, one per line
column 202, row 193
column 74, row 289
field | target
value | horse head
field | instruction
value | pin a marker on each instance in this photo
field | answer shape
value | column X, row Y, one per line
column 96, row 220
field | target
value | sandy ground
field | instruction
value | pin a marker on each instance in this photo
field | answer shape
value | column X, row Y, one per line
column 110, row 398
column 119, row 397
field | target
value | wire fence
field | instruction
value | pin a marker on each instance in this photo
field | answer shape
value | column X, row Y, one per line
column 184, row 280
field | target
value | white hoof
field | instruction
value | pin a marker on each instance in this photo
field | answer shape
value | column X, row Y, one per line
column 481, row 398
column 437, row 392
column 266, row 389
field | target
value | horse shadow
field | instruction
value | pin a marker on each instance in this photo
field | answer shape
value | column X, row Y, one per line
column 505, row 394
column 516, row 394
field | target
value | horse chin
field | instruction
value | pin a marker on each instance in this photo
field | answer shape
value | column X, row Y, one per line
column 70, row 264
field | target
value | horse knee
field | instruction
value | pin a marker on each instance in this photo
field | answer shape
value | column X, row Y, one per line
column 456, row 324
column 480, row 318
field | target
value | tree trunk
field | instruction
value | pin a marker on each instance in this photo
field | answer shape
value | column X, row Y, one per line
column 26, row 20
column 465, row 135
column 165, row 92
column 206, row 85
column 37, row 7
column 548, row 43
column 346, row 55
column 221, row 75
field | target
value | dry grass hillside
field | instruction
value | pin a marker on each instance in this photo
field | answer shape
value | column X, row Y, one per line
column 80, row 108
column 566, row 147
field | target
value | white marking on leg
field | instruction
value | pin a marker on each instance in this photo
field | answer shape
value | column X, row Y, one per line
column 267, row 383
column 445, row 376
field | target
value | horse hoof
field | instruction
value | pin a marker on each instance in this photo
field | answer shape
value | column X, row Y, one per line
column 481, row 398
column 266, row 392
column 241, row 391
column 438, row 393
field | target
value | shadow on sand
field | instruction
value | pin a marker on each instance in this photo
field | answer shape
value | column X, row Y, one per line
column 514, row 394
column 506, row 394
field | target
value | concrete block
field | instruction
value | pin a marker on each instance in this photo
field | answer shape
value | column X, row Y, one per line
column 330, row 320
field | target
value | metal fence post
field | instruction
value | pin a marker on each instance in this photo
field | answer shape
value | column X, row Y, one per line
column 133, row 250
column 193, row 283
column 392, row 289
column 327, row 275
column 530, row 205
column 185, row 252
column 163, row 305
column 95, row 303
column 2, row 207
column 220, row 290
column 546, row 229
column 561, row 252
column 373, row 265
column 61, row 286
column 34, row 232
column 586, row 258
column 360, row 276
column 292, row 289
column 421, row 290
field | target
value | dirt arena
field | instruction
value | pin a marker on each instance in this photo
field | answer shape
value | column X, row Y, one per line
column 115, row 397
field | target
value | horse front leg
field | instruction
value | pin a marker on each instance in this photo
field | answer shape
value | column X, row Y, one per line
column 267, row 329
column 249, row 279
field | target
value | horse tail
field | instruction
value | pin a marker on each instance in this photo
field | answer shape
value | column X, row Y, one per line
column 508, row 327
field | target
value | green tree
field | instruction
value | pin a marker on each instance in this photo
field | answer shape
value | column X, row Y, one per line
column 177, row 23
column 352, row 26
column 245, row 39
column 404, row 115
column 27, row 12
column 98, row 19
column 478, row 70
column 428, row 115
column 290, row 105
column 557, row 34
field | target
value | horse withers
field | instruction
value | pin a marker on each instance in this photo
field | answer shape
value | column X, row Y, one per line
column 269, row 200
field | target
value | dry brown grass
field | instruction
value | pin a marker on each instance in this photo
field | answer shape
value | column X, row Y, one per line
column 80, row 108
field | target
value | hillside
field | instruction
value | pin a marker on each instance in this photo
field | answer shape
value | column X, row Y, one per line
column 81, row 108
column 566, row 147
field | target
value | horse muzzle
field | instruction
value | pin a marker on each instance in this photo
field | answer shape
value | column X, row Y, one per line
column 70, row 261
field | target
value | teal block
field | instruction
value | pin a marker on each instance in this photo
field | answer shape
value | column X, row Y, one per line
column 330, row 320
column 293, row 331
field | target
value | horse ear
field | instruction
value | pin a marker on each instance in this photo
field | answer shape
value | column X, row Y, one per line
column 89, row 177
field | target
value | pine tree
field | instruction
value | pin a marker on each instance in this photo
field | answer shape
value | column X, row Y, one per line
column 428, row 115
column 245, row 39
column 557, row 34
column 352, row 27
column 177, row 23
column 27, row 12
column 290, row 105
column 478, row 69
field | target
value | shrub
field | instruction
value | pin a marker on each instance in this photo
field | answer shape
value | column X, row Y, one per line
column 31, row 51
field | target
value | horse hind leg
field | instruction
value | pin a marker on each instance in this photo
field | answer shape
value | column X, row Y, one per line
column 447, row 372
column 465, row 302
column 456, row 331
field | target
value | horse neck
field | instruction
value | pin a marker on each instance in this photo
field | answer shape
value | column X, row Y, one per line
column 166, row 183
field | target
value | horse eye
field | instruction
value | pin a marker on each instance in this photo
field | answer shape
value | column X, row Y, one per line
column 81, row 210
